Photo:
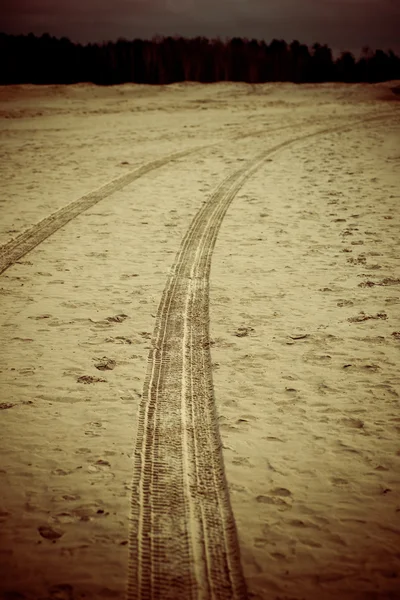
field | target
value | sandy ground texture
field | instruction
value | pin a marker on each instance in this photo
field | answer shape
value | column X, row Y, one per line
column 107, row 236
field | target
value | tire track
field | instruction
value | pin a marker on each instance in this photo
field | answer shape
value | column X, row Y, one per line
column 18, row 247
column 183, row 540
column 32, row 237
column 309, row 121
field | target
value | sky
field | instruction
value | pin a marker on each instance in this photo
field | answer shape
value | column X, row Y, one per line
column 342, row 24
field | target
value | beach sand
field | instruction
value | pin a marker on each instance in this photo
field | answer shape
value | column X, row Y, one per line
column 304, row 327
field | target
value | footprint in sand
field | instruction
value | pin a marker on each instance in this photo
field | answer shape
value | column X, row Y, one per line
column 242, row 461
column 86, row 450
column 359, row 260
column 243, row 331
column 105, row 364
column 278, row 556
column 92, row 429
column 71, row 497
column 90, row 379
column 282, row 492
column 5, row 405
column 227, row 427
column 345, row 448
column 261, row 543
column 278, row 502
column 109, row 320
column 146, row 335
column 61, row 472
column 100, row 471
column 246, row 419
column 339, row 481
column 49, row 533
column 353, row 423
column 119, row 339
column 362, row 316
column 303, row 524
column 81, row 514
column 342, row 303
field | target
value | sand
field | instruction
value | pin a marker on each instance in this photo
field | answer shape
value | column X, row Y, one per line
column 304, row 328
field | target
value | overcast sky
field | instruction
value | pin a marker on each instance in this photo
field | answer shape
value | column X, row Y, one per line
column 343, row 24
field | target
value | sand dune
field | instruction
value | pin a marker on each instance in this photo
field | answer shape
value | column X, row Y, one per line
column 114, row 329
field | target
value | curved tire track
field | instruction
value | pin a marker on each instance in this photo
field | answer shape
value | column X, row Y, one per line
column 18, row 247
column 32, row 237
column 183, row 541
column 312, row 121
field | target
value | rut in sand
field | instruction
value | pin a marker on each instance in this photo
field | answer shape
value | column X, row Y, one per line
column 183, row 541
column 32, row 237
column 21, row 245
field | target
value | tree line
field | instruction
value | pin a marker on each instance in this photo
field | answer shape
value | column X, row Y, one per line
column 162, row 60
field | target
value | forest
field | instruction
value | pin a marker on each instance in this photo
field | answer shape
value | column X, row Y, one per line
column 48, row 60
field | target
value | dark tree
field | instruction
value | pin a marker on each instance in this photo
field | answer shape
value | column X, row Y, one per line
column 346, row 67
column 322, row 66
column 48, row 60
